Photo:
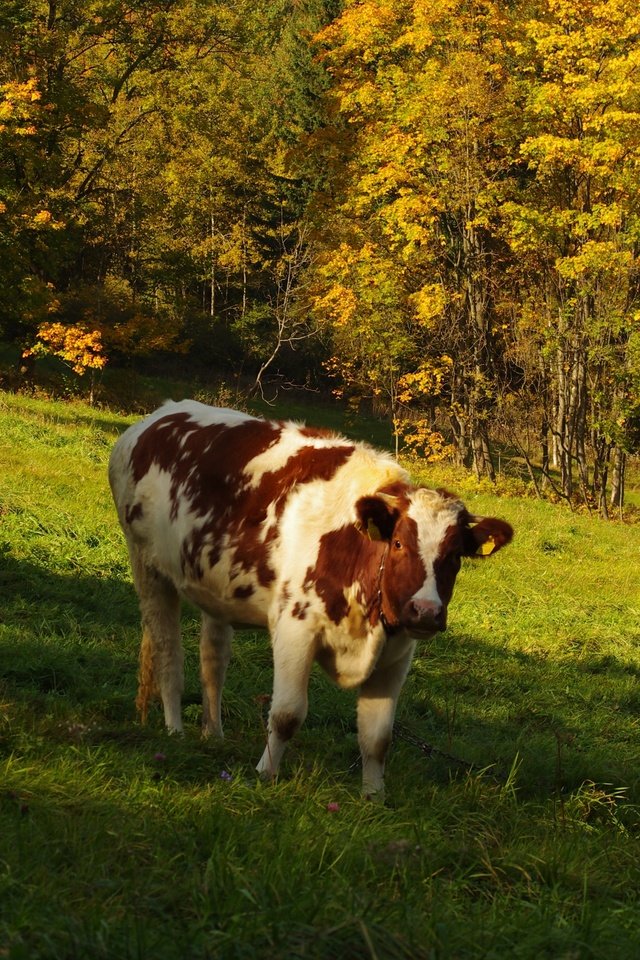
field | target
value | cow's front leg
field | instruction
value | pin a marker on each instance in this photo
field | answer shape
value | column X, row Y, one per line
column 293, row 654
column 376, row 711
column 215, row 653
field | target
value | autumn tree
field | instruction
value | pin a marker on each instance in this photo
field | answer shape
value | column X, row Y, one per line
column 423, row 93
column 26, row 222
column 574, row 228
column 97, row 72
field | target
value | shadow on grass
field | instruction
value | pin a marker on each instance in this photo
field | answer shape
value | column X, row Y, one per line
column 32, row 593
column 559, row 722
column 98, row 420
column 563, row 721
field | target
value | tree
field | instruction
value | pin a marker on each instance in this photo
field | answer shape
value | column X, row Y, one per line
column 98, row 71
column 575, row 227
column 423, row 92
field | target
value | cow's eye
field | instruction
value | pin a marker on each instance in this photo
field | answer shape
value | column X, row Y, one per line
column 397, row 545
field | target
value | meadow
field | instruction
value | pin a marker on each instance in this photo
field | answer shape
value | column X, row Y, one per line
column 512, row 822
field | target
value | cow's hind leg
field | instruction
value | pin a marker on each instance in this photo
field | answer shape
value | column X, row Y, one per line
column 376, row 711
column 292, row 662
column 161, row 656
column 215, row 653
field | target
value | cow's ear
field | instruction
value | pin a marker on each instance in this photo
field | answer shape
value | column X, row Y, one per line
column 486, row 536
column 377, row 516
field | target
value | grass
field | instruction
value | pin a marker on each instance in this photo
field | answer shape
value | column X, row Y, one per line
column 519, row 838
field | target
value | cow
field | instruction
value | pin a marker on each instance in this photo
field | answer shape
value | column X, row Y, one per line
column 321, row 539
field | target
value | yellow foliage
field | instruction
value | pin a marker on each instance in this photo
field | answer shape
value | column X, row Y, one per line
column 419, row 437
column 16, row 106
column 429, row 303
column 427, row 381
column 595, row 259
column 76, row 345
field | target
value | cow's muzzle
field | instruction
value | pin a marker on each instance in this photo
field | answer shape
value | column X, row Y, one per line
column 424, row 616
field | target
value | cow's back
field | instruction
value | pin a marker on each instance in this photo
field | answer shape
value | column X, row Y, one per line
column 176, row 471
column 227, row 506
column 153, row 460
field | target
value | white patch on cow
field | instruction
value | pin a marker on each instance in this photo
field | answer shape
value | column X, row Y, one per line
column 271, row 519
column 289, row 443
column 323, row 505
column 200, row 413
column 159, row 535
column 433, row 515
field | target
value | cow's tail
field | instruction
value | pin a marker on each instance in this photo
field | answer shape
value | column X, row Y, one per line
column 147, row 687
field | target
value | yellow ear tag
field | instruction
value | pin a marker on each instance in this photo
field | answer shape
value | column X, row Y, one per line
column 486, row 548
column 372, row 531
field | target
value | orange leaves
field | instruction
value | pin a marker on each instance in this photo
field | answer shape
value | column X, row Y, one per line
column 17, row 107
column 43, row 220
column 78, row 346
column 427, row 381
column 419, row 437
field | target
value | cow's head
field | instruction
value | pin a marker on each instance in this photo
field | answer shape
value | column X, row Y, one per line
column 426, row 533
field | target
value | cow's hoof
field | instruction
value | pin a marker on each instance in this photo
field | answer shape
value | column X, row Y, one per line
column 374, row 796
column 266, row 776
column 212, row 733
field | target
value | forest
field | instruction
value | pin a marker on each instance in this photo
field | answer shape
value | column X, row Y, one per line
column 431, row 210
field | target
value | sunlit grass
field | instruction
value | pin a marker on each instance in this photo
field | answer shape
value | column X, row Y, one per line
column 517, row 838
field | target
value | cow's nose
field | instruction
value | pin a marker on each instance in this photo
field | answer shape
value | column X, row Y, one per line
column 424, row 615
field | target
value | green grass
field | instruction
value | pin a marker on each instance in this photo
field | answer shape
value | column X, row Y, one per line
column 117, row 841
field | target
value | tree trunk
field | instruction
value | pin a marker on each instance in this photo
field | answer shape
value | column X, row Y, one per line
column 602, row 471
column 579, row 419
column 244, row 260
column 212, row 277
column 482, row 459
column 544, row 445
column 618, row 478
column 480, row 385
column 462, row 457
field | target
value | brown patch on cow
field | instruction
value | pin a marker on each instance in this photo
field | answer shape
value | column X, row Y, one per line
column 346, row 557
column 300, row 610
column 133, row 513
column 157, row 444
column 285, row 725
column 251, row 543
column 322, row 433
column 404, row 571
column 446, row 565
column 306, row 465
column 193, row 547
column 210, row 473
column 205, row 461
column 243, row 593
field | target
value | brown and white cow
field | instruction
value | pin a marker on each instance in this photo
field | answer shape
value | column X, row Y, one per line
column 271, row 524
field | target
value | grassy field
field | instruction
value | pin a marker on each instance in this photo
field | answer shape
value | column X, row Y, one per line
column 519, row 837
